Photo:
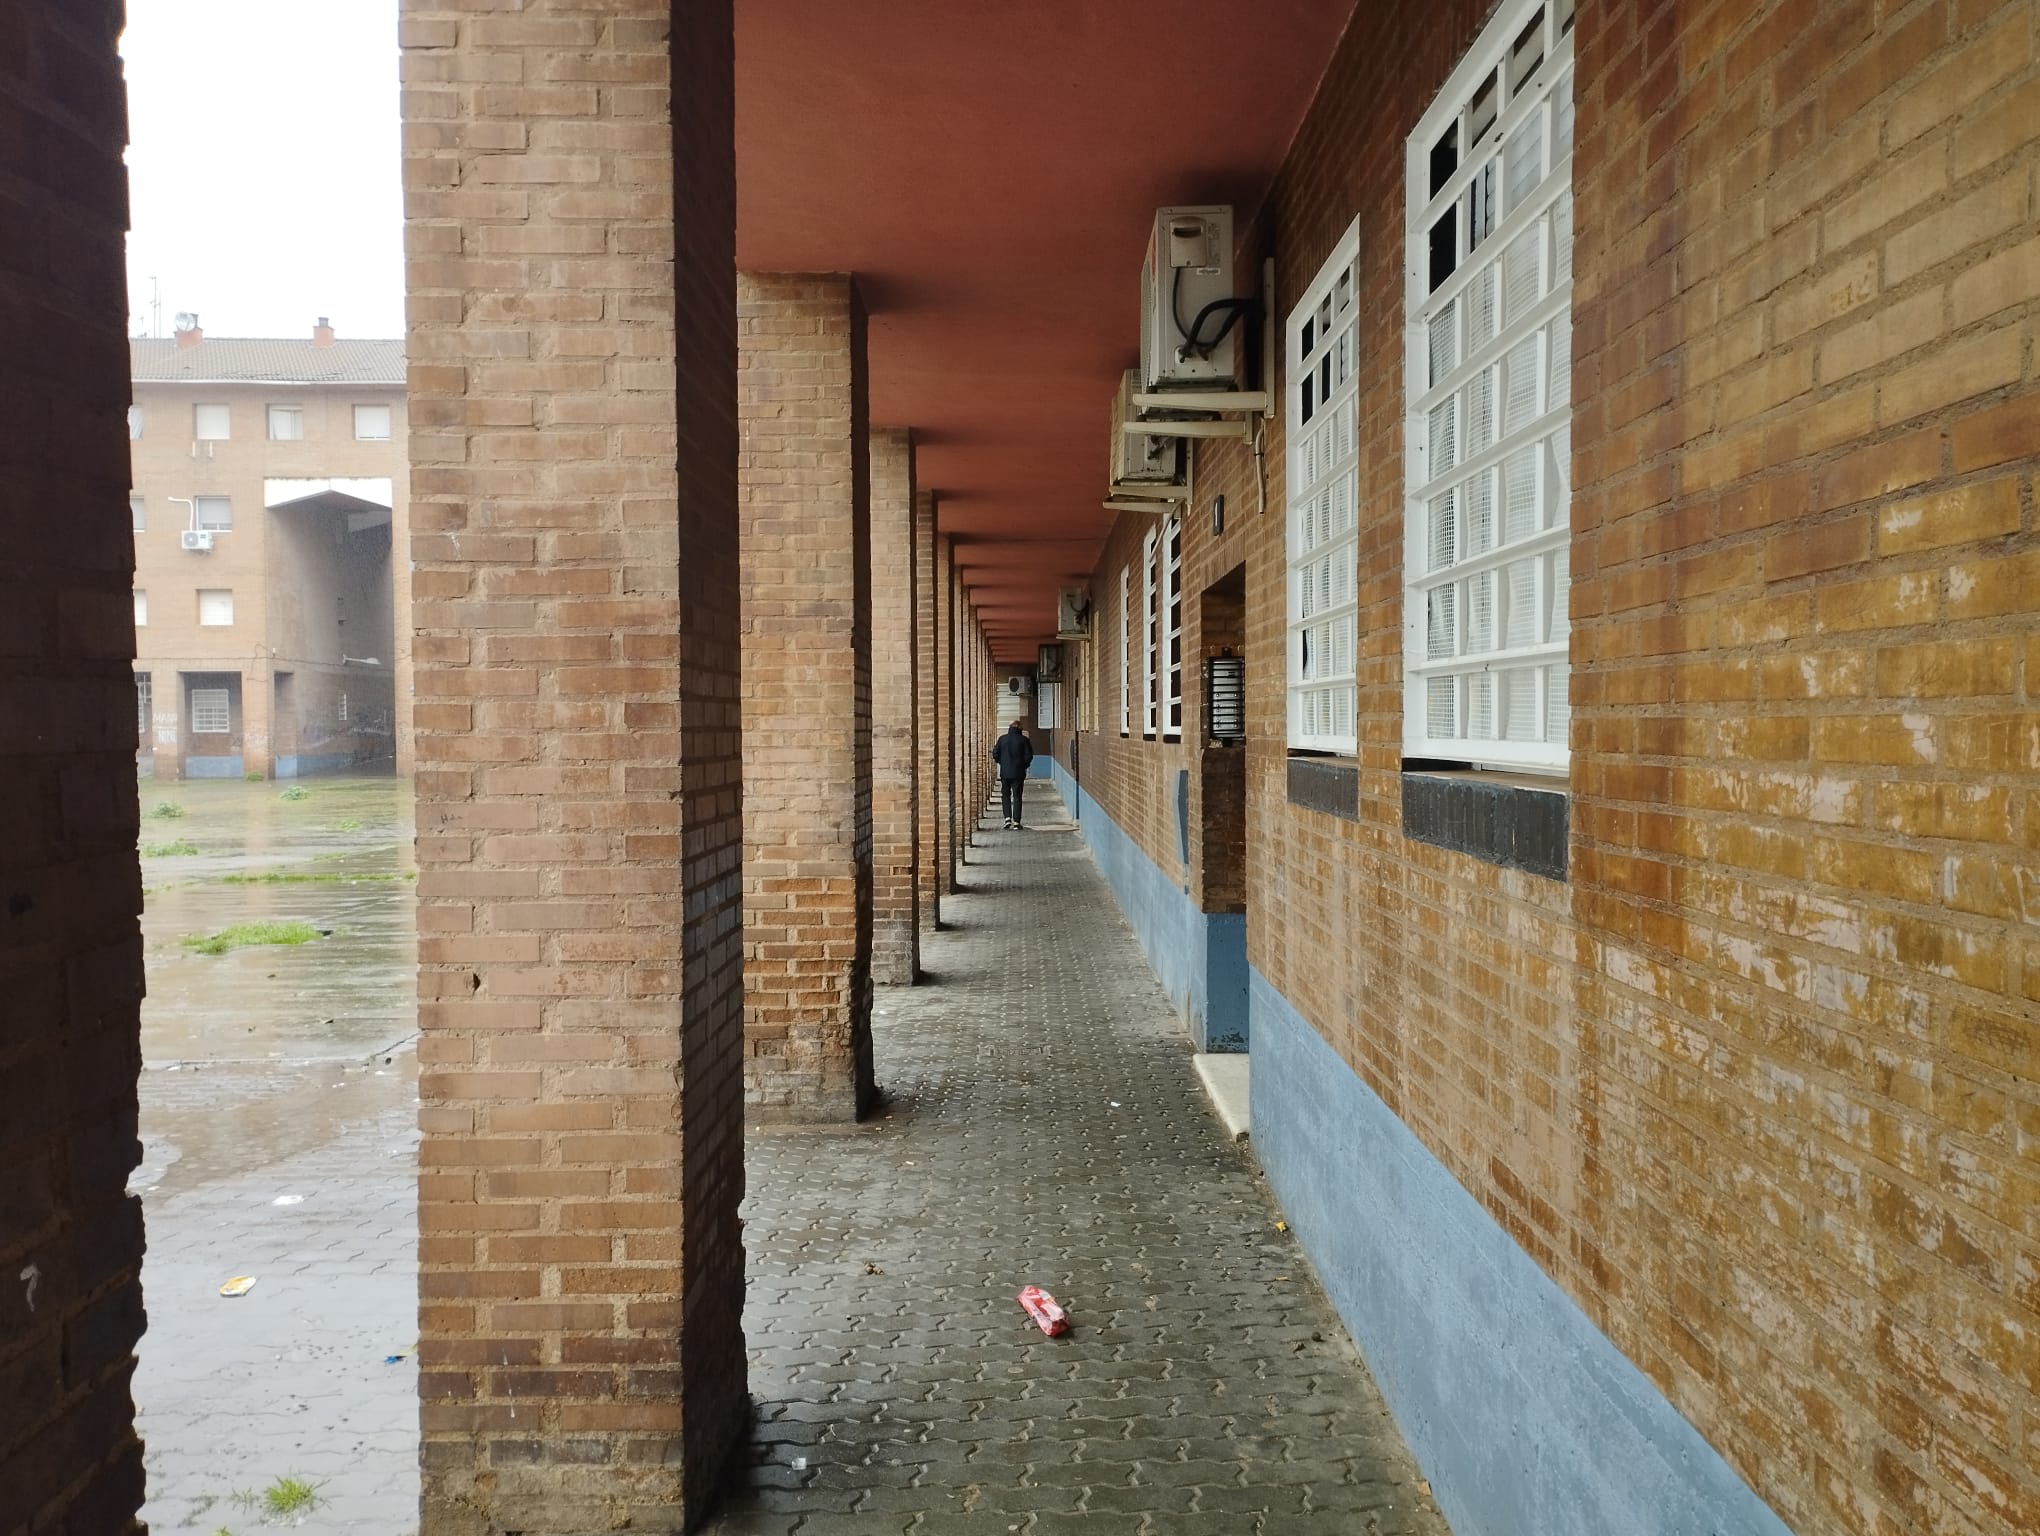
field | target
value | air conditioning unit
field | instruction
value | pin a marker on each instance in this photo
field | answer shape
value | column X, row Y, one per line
column 1072, row 614
column 1189, row 316
column 1141, row 458
column 1019, row 682
column 199, row 539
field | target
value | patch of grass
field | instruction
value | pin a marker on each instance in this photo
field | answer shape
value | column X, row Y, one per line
column 295, row 792
column 183, row 848
column 286, row 1496
column 351, row 824
column 246, row 935
column 255, row 777
column 167, row 810
column 273, row 877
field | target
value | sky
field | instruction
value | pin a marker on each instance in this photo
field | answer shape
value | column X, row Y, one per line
column 263, row 169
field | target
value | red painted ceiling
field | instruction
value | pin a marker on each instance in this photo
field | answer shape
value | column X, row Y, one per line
column 989, row 171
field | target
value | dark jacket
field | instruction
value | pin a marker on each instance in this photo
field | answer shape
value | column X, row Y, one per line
column 1013, row 752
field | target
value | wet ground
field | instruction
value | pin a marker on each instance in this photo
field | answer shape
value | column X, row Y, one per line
column 279, row 1110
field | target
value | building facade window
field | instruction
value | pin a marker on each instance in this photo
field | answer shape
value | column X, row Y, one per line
column 215, row 607
column 286, row 423
column 145, row 706
column 211, row 423
column 211, row 712
column 1125, row 653
column 138, row 510
column 1321, row 347
column 372, row 423
column 134, row 423
column 1147, row 634
column 1172, row 628
column 214, row 512
column 1487, row 447
column 1048, row 705
column 141, row 608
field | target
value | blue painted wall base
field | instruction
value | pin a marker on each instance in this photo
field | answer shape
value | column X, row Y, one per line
column 1524, row 1417
column 217, row 767
column 1200, row 958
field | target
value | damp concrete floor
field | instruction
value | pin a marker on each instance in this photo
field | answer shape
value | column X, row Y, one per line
column 1043, row 1124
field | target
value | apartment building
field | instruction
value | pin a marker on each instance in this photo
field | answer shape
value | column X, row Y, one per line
column 268, row 494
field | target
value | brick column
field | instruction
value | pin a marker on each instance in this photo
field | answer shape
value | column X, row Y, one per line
column 945, row 710
column 895, row 896
column 930, row 842
column 573, row 453
column 258, row 725
column 70, row 948
column 807, row 698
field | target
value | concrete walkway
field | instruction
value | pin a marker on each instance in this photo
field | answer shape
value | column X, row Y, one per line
column 1045, row 1126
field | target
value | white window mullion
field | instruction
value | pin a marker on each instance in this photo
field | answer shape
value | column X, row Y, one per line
column 1147, row 634
column 1125, row 653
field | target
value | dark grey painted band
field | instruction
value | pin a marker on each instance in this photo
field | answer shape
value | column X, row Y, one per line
column 1502, row 823
column 1325, row 784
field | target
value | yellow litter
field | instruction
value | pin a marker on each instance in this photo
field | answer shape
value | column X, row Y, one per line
column 240, row 1285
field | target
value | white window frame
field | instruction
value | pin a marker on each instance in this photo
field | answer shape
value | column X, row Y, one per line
column 1499, row 684
column 141, row 608
column 135, row 423
column 138, row 511
column 1125, row 651
column 216, row 592
column 294, row 414
column 220, row 509
column 217, row 703
column 1321, row 402
column 1048, row 706
column 145, row 707
column 388, row 424
column 1148, row 647
column 1172, row 628
column 226, row 423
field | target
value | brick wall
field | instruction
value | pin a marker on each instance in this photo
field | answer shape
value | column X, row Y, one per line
column 1756, row 1085
column 579, row 786
column 70, row 886
column 930, row 844
column 895, row 806
column 806, row 510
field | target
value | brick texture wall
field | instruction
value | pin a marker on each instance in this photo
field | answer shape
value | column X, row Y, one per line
column 579, row 832
column 805, row 492
column 70, row 886
column 1756, row 1086
column 895, row 805
column 930, row 843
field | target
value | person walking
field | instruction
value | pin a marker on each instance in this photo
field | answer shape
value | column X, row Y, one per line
column 1012, row 753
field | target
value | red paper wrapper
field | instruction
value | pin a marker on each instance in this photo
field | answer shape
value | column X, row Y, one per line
column 1048, row 1317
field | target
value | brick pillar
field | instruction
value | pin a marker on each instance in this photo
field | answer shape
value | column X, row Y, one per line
column 945, row 710
column 573, row 454
column 895, row 895
column 70, row 884
column 930, row 842
column 807, row 698
column 258, row 710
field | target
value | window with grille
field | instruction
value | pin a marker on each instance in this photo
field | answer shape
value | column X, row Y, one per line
column 1048, row 705
column 139, row 511
column 286, row 423
column 145, row 706
column 1148, row 636
column 372, row 423
column 141, row 608
column 214, row 512
column 215, row 606
column 211, row 714
column 1125, row 653
column 1488, row 379
column 1172, row 627
column 1323, row 404
column 210, row 423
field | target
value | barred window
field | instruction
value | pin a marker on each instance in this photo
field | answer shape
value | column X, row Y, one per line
column 1172, row 628
column 1488, row 390
column 1147, row 634
column 211, row 713
column 1323, row 411
column 1125, row 653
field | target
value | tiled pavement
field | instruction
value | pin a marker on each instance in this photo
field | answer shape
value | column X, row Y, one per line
column 1044, row 1125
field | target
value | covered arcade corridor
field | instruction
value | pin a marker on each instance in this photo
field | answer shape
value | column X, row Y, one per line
column 1513, row 525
